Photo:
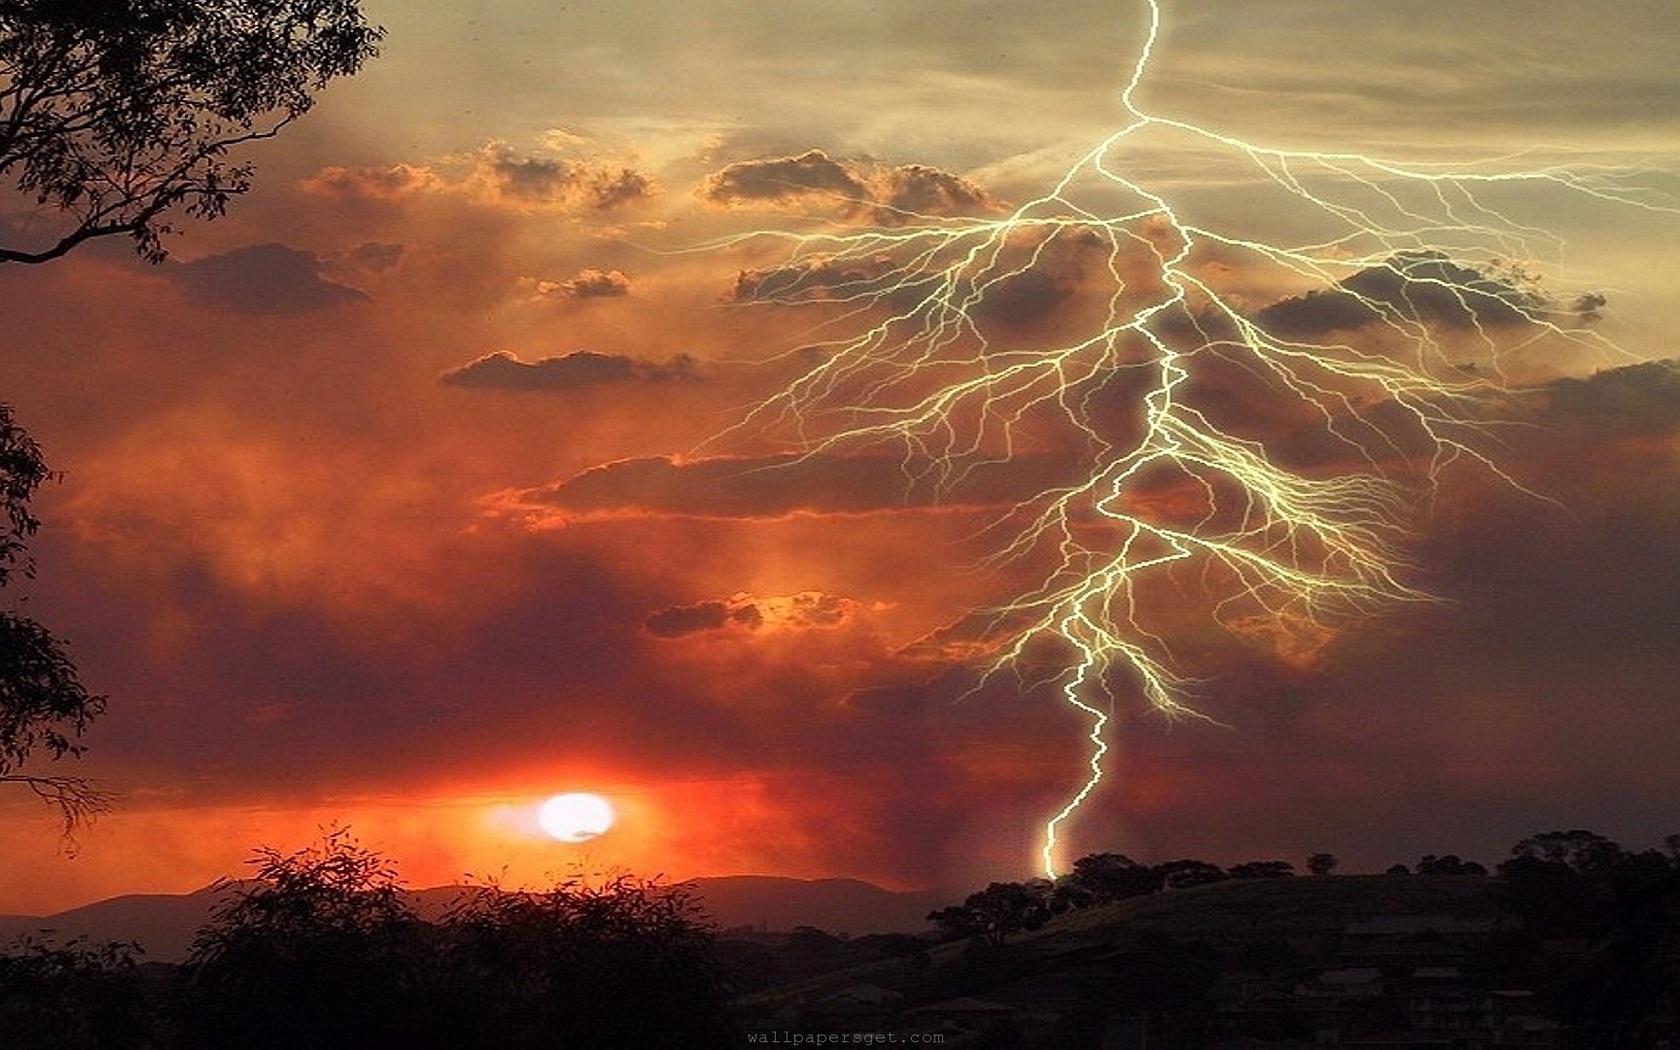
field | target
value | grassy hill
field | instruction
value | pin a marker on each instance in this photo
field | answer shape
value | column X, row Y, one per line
column 1243, row 911
column 1307, row 912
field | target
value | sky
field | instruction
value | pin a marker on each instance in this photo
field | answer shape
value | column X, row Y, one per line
column 435, row 478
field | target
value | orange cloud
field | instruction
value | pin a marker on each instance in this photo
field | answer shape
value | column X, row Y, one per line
column 495, row 175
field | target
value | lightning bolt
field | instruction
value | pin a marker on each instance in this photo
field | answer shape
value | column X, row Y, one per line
column 920, row 350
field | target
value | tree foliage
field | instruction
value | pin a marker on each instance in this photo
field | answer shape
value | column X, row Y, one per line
column 622, row 963
column 320, row 949
column 999, row 910
column 325, row 949
column 1112, row 877
column 1181, row 874
column 1322, row 863
column 113, row 113
column 1450, row 864
column 43, row 704
column 1583, row 852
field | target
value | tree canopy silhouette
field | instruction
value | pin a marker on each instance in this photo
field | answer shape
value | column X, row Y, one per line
column 325, row 949
column 114, row 113
column 320, row 950
column 43, row 704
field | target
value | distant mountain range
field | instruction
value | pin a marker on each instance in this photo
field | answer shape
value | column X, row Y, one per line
column 164, row 924
column 835, row 905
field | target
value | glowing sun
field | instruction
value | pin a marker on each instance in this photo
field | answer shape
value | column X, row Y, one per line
column 575, row 816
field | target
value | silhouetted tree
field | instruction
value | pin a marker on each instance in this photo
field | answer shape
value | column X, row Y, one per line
column 956, row 921
column 113, row 113
column 1112, row 877
column 323, row 950
column 1581, row 851
column 43, row 704
column 1450, row 864
column 1179, row 874
column 626, row 963
column 320, row 950
column 1263, row 869
column 1005, row 908
column 1322, row 863
column 1625, row 905
column 996, row 912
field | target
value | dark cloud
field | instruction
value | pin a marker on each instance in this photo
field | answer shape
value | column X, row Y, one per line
column 1642, row 398
column 1032, row 295
column 567, row 627
column 1410, row 288
column 777, row 486
column 917, row 190
column 550, row 180
column 807, row 611
column 1036, row 279
column 502, row 370
column 857, row 191
column 816, row 277
column 783, row 180
column 688, row 619
column 609, row 189
column 262, row 279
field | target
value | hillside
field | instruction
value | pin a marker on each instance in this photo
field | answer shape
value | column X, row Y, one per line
column 836, row 905
column 1242, row 911
column 164, row 924
column 1306, row 912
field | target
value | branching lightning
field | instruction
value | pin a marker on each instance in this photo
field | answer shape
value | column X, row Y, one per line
column 1128, row 310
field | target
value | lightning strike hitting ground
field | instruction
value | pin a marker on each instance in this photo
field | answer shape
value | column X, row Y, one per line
column 1096, row 327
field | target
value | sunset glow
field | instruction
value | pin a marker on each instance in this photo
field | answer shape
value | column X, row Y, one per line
column 575, row 816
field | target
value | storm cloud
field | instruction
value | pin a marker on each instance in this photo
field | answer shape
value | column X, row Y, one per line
column 778, row 486
column 859, row 191
column 262, row 279
column 502, row 370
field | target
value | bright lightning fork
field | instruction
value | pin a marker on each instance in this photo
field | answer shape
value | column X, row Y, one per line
column 1076, row 329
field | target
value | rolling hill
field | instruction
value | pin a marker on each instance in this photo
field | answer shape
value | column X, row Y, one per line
column 164, row 924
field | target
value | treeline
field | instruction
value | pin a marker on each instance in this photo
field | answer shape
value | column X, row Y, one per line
column 1558, row 880
column 323, row 950
column 1591, row 928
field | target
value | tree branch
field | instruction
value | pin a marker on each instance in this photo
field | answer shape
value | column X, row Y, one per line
column 78, row 801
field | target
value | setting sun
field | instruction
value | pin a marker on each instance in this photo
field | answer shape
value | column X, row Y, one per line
column 575, row 816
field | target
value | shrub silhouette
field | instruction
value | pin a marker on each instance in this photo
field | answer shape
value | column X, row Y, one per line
column 324, row 950
column 321, row 950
